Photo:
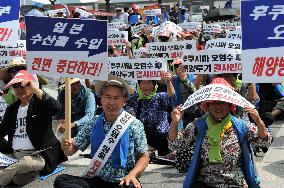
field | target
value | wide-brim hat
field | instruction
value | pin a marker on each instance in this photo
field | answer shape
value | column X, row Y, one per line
column 112, row 81
column 17, row 62
column 177, row 62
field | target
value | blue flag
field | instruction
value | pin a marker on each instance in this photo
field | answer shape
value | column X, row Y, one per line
column 262, row 23
column 9, row 10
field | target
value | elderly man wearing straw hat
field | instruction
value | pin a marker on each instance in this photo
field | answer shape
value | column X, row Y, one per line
column 118, row 143
column 83, row 106
column 28, row 124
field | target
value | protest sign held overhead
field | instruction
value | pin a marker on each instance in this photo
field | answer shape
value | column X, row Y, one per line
column 212, row 28
column 212, row 62
column 223, row 43
column 9, row 22
column 152, row 12
column 137, row 69
column 67, row 47
column 137, row 29
column 237, row 34
column 190, row 26
column 166, row 27
column 170, row 50
column 7, row 53
column 263, row 21
column 216, row 92
column 231, row 26
column 117, row 37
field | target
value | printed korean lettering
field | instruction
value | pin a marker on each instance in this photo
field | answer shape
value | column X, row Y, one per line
column 5, row 33
column 259, row 11
column 59, row 27
column 276, row 10
column 5, row 10
column 76, row 29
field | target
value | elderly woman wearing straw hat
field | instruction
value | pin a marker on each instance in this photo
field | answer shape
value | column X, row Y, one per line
column 221, row 155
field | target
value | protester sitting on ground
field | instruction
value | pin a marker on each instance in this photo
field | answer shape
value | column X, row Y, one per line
column 153, row 109
column 28, row 124
column 278, row 110
column 220, row 158
column 37, row 10
column 8, row 72
column 83, row 107
column 184, row 87
column 128, row 159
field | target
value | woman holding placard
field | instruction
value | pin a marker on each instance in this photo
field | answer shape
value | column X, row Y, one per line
column 221, row 142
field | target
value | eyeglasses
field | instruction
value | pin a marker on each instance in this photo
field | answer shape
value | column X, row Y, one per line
column 19, row 85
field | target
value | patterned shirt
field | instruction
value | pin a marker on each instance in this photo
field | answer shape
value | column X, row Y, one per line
column 222, row 175
column 153, row 112
column 137, row 146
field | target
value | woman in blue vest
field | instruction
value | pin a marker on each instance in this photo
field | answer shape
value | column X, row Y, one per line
column 221, row 155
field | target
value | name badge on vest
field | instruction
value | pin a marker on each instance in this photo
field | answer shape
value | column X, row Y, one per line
column 109, row 142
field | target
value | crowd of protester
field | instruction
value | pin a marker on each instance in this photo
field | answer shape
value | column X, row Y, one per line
column 207, row 136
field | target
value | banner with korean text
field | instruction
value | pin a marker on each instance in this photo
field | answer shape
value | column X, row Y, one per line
column 263, row 41
column 137, row 69
column 67, row 47
column 117, row 37
column 170, row 50
column 216, row 92
column 212, row 62
column 9, row 22
column 7, row 53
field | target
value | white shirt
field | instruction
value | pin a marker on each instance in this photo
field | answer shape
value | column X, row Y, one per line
column 21, row 140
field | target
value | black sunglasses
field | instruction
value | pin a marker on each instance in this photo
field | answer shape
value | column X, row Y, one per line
column 19, row 85
column 15, row 69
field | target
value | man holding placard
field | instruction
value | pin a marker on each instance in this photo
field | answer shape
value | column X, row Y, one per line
column 118, row 143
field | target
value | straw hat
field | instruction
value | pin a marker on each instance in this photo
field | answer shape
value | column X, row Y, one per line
column 17, row 62
column 112, row 81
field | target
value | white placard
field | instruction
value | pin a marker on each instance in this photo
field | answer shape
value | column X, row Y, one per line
column 8, row 53
column 190, row 26
column 216, row 92
column 117, row 37
column 137, row 69
column 152, row 12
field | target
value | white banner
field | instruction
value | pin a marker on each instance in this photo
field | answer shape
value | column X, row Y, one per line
column 9, row 32
column 152, row 12
column 224, row 43
column 170, row 50
column 137, row 69
column 117, row 37
column 167, row 27
column 212, row 68
column 216, row 92
column 7, row 53
column 139, row 52
column 6, row 161
column 190, row 26
column 212, row 28
column 136, row 30
column 237, row 34
column 73, row 65
column 264, row 65
column 116, row 25
column 211, row 56
column 229, row 25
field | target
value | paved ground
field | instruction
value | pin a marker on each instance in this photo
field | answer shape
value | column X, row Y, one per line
column 270, row 167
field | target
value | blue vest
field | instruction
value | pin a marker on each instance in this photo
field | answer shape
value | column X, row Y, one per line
column 247, row 163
